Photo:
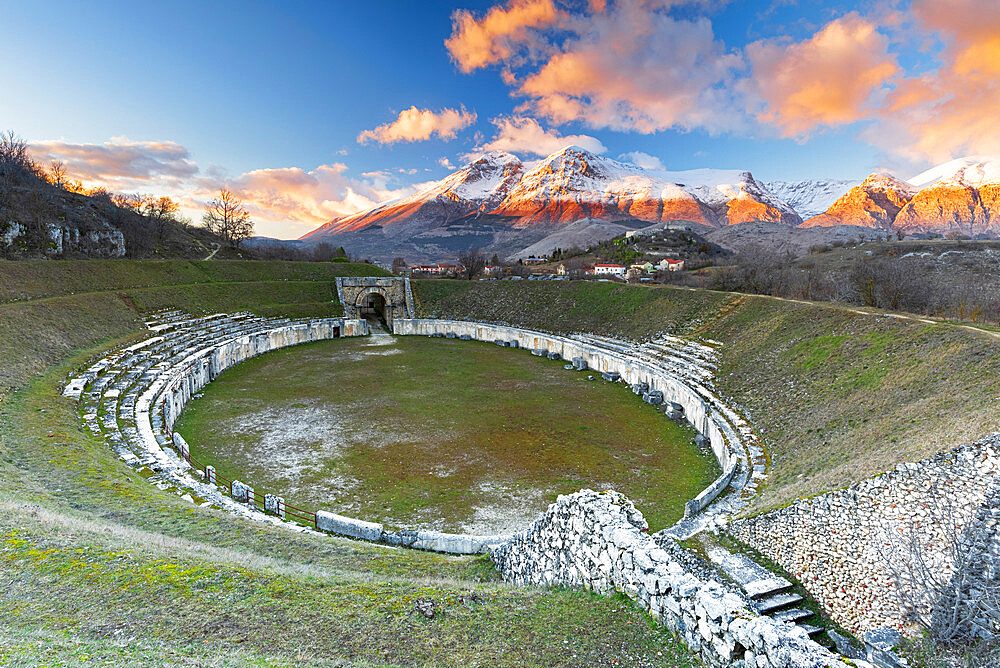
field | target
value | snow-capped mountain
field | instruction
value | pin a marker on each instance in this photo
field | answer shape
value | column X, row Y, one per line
column 971, row 171
column 811, row 197
column 480, row 185
column 961, row 197
column 495, row 204
column 875, row 202
column 958, row 197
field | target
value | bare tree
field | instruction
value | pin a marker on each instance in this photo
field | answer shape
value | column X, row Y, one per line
column 57, row 174
column 944, row 579
column 226, row 217
column 473, row 262
column 161, row 211
column 16, row 165
column 398, row 265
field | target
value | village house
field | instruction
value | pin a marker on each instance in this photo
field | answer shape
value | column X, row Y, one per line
column 667, row 264
column 617, row 270
column 643, row 267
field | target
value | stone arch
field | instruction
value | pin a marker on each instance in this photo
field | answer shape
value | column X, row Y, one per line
column 374, row 301
column 356, row 294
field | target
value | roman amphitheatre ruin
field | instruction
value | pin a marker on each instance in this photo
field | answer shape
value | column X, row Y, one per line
column 406, row 468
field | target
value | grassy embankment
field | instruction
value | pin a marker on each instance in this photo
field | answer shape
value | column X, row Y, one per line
column 99, row 566
column 838, row 394
column 439, row 433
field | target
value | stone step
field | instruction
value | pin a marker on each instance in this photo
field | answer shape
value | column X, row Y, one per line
column 813, row 631
column 776, row 602
column 792, row 615
column 754, row 579
column 762, row 588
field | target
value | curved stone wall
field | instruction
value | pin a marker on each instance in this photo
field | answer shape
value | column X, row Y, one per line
column 729, row 436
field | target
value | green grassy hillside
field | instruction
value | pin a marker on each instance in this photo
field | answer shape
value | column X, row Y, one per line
column 48, row 309
column 100, row 567
column 837, row 393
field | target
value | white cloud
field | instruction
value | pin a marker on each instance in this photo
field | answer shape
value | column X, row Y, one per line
column 524, row 135
column 644, row 160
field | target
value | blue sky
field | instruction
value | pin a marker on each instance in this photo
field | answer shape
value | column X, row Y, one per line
column 180, row 97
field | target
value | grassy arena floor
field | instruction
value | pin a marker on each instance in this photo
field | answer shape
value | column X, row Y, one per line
column 436, row 433
column 100, row 568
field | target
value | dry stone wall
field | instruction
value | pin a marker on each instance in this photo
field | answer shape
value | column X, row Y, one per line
column 852, row 548
column 600, row 541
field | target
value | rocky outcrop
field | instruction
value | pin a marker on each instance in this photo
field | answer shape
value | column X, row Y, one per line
column 58, row 239
column 953, row 208
column 875, row 202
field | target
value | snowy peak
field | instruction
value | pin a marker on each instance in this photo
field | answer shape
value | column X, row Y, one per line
column 810, row 197
column 874, row 202
column 888, row 182
column 486, row 180
column 971, row 171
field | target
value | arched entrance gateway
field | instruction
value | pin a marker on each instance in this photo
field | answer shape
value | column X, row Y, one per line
column 385, row 298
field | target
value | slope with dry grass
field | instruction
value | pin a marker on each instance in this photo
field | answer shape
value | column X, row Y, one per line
column 837, row 393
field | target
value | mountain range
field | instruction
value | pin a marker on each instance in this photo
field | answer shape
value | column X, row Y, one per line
column 575, row 197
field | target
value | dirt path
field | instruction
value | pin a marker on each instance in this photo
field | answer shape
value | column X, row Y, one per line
column 212, row 254
column 861, row 311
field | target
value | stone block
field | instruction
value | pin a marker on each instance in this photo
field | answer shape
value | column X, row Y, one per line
column 464, row 337
column 239, row 491
column 450, row 335
column 611, row 376
column 554, row 356
column 348, row 526
column 275, row 505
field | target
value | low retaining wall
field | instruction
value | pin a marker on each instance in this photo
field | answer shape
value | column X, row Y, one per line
column 599, row 541
column 204, row 365
column 847, row 547
column 707, row 419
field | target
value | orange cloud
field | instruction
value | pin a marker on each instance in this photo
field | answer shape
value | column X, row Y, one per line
column 301, row 200
column 627, row 65
column 526, row 136
column 284, row 202
column 950, row 111
column 476, row 43
column 830, row 79
column 638, row 68
column 118, row 163
column 419, row 124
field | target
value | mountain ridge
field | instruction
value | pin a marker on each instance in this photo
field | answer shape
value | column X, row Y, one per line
column 498, row 203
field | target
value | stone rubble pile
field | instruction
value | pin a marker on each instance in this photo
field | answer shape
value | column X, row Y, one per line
column 600, row 541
